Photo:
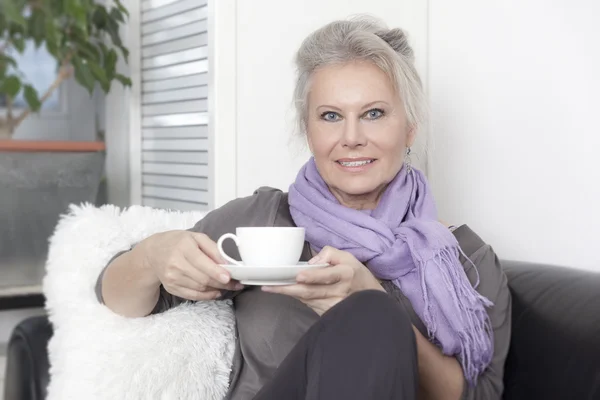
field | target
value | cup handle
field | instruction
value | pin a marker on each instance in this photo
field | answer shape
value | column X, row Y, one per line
column 220, row 247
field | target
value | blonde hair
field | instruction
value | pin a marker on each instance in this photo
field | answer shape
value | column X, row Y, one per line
column 361, row 39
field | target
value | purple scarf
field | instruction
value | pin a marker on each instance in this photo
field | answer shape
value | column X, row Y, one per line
column 402, row 241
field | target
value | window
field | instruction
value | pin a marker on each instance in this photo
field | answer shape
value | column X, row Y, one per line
column 39, row 69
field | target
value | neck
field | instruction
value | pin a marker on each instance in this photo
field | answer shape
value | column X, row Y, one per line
column 366, row 201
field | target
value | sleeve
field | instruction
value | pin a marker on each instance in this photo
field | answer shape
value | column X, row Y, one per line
column 260, row 209
column 493, row 285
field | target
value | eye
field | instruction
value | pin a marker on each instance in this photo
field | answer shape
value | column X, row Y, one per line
column 375, row 113
column 330, row 116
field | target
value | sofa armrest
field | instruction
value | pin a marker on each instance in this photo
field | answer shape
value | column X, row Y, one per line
column 27, row 367
column 555, row 342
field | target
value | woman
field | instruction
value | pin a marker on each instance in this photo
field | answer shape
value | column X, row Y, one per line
column 409, row 308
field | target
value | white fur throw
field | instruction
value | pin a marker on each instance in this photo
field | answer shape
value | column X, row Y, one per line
column 184, row 353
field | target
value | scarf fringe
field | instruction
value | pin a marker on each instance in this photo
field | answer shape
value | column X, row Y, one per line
column 473, row 326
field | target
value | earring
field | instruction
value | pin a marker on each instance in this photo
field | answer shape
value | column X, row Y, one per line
column 407, row 160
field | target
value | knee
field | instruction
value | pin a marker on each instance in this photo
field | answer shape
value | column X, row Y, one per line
column 376, row 311
column 369, row 301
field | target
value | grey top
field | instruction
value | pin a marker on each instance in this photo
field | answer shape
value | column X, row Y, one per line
column 269, row 325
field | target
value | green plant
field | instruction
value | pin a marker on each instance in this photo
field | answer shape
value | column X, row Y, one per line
column 81, row 35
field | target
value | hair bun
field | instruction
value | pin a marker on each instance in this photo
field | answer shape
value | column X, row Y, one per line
column 398, row 40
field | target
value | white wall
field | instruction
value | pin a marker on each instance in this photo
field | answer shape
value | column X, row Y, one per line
column 515, row 93
column 268, row 34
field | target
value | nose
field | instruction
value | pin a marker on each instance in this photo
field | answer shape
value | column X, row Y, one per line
column 353, row 135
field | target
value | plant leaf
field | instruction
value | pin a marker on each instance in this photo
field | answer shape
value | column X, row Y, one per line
column 52, row 48
column 37, row 26
column 125, row 54
column 116, row 15
column 83, row 74
column 112, row 27
column 77, row 11
column 31, row 97
column 7, row 60
column 3, row 23
column 110, row 63
column 88, row 50
column 18, row 42
column 53, row 37
column 12, row 12
column 125, row 81
column 100, row 76
column 121, row 7
column 56, row 7
column 11, row 86
column 100, row 17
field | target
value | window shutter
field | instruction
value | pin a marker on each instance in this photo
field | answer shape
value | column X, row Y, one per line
column 174, row 104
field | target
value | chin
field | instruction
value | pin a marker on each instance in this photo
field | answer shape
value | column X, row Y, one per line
column 358, row 186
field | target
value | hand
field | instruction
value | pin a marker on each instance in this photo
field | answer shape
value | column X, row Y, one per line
column 322, row 288
column 186, row 264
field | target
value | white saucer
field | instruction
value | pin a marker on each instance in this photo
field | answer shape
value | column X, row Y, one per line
column 268, row 276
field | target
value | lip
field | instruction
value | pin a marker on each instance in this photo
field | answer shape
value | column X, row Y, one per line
column 356, row 169
column 355, row 159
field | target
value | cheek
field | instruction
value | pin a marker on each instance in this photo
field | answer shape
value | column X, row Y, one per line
column 391, row 141
column 321, row 140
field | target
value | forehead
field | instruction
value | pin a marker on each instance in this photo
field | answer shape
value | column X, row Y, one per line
column 351, row 84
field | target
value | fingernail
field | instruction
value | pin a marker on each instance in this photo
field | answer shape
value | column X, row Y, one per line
column 300, row 278
column 218, row 295
column 239, row 286
column 267, row 289
column 224, row 278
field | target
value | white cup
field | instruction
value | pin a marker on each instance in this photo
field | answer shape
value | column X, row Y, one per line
column 266, row 246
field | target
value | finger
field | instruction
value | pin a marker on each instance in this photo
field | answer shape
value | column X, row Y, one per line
column 195, row 295
column 323, row 276
column 210, row 285
column 205, row 265
column 331, row 255
column 301, row 291
column 208, row 247
column 197, row 273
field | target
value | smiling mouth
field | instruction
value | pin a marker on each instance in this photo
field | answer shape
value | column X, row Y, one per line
column 355, row 163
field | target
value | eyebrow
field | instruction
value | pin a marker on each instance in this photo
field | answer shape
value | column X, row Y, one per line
column 372, row 103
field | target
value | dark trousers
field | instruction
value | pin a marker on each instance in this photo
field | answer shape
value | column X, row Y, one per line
column 363, row 348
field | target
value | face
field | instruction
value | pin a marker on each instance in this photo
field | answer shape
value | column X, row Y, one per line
column 357, row 131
